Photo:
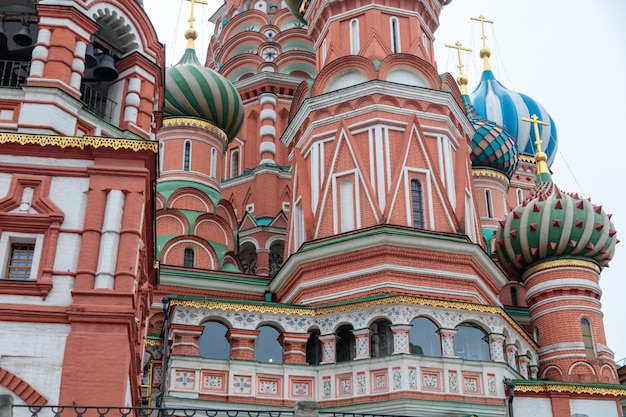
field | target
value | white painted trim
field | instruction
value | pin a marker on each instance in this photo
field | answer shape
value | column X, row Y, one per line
column 561, row 283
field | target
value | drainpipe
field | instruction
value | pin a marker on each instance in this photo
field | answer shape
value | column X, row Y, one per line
column 166, row 331
column 510, row 386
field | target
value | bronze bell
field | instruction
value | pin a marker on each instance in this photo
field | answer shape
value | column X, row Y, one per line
column 105, row 70
column 3, row 34
column 22, row 37
column 90, row 58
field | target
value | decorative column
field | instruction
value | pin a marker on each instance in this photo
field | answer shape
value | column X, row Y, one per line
column 130, row 242
column 511, row 355
column 185, row 339
column 522, row 362
column 267, row 131
column 132, row 100
column 447, row 342
column 59, row 59
column 90, row 244
column 110, row 240
column 294, row 347
column 263, row 261
column 328, row 348
column 534, row 371
column 242, row 343
column 496, row 347
column 401, row 338
column 362, row 340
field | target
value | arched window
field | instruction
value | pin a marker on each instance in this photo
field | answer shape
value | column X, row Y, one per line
column 520, row 196
column 187, row 157
column 488, row 203
column 381, row 339
column 324, row 51
column 213, row 342
column 347, row 205
column 189, row 258
column 514, row 298
column 314, row 348
column 425, row 43
column 267, row 348
column 234, row 163
column 395, row 35
column 587, row 338
column 277, row 250
column 424, row 338
column 355, row 42
column 248, row 257
column 213, row 167
column 470, row 342
column 346, row 345
column 417, row 203
column 536, row 334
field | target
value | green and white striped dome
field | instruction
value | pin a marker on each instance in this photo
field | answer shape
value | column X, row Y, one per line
column 192, row 90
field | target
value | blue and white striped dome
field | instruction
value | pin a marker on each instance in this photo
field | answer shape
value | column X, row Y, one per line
column 495, row 102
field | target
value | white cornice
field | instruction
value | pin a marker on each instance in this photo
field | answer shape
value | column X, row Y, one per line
column 374, row 240
column 372, row 87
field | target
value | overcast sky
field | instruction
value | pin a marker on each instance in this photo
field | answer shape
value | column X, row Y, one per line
column 570, row 56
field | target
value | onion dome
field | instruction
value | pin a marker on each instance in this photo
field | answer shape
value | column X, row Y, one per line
column 492, row 146
column 551, row 224
column 193, row 90
column 495, row 102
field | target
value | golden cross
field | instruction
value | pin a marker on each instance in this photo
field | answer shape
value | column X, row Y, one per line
column 482, row 21
column 459, row 48
column 536, row 122
column 191, row 18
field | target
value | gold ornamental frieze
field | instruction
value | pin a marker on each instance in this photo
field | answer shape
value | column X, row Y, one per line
column 79, row 142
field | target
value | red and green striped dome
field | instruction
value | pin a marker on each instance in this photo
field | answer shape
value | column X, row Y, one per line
column 192, row 90
column 551, row 225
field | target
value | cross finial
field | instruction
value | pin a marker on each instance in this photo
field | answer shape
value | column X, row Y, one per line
column 462, row 79
column 191, row 17
column 485, row 52
column 540, row 156
column 190, row 33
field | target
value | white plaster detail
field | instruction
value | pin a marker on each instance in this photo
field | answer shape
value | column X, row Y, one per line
column 268, row 98
column 268, row 130
column 267, row 147
column 109, row 240
column 346, row 79
column 34, row 352
column 268, row 114
column 407, row 77
column 26, row 201
column 595, row 407
column 74, row 204
column 6, row 114
column 561, row 283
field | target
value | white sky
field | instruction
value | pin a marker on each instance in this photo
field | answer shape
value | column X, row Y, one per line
column 570, row 56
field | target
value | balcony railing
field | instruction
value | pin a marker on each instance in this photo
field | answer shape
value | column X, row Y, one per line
column 13, row 73
column 97, row 102
column 109, row 411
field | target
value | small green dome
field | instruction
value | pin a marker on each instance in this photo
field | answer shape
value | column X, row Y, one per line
column 192, row 90
column 492, row 146
column 552, row 224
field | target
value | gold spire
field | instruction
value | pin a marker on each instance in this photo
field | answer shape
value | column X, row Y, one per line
column 540, row 156
column 485, row 52
column 462, row 79
column 191, row 34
